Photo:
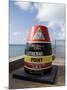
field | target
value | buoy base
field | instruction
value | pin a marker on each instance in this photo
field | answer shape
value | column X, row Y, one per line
column 45, row 78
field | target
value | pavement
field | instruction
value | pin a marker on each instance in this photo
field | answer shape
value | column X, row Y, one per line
column 60, row 78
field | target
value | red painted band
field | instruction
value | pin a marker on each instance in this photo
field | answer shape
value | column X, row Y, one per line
column 43, row 65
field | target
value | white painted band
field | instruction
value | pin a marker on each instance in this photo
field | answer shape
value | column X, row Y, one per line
column 38, row 68
column 37, row 42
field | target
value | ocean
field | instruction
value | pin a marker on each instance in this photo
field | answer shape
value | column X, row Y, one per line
column 16, row 50
column 58, row 49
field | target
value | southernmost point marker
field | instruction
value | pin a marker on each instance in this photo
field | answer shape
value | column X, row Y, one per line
column 38, row 57
column 38, row 53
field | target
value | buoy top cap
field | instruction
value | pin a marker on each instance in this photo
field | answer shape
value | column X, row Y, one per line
column 40, row 26
column 38, row 33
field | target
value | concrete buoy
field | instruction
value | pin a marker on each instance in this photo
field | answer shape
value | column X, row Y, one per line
column 38, row 53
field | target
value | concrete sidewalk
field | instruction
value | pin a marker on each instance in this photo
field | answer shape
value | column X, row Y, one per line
column 60, row 79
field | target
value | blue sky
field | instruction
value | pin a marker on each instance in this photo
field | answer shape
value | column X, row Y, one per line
column 23, row 15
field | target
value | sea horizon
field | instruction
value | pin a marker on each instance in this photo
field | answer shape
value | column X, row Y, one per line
column 19, row 49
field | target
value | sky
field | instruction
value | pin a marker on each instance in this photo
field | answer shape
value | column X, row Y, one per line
column 24, row 15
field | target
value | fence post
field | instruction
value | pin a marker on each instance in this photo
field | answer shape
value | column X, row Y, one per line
column 55, row 47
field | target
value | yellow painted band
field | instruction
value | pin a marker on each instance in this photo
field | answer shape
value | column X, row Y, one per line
column 45, row 59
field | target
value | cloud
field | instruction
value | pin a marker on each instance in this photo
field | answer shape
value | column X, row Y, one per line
column 45, row 12
column 16, row 33
column 57, row 30
column 23, row 5
column 17, row 37
column 53, row 13
column 50, row 12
